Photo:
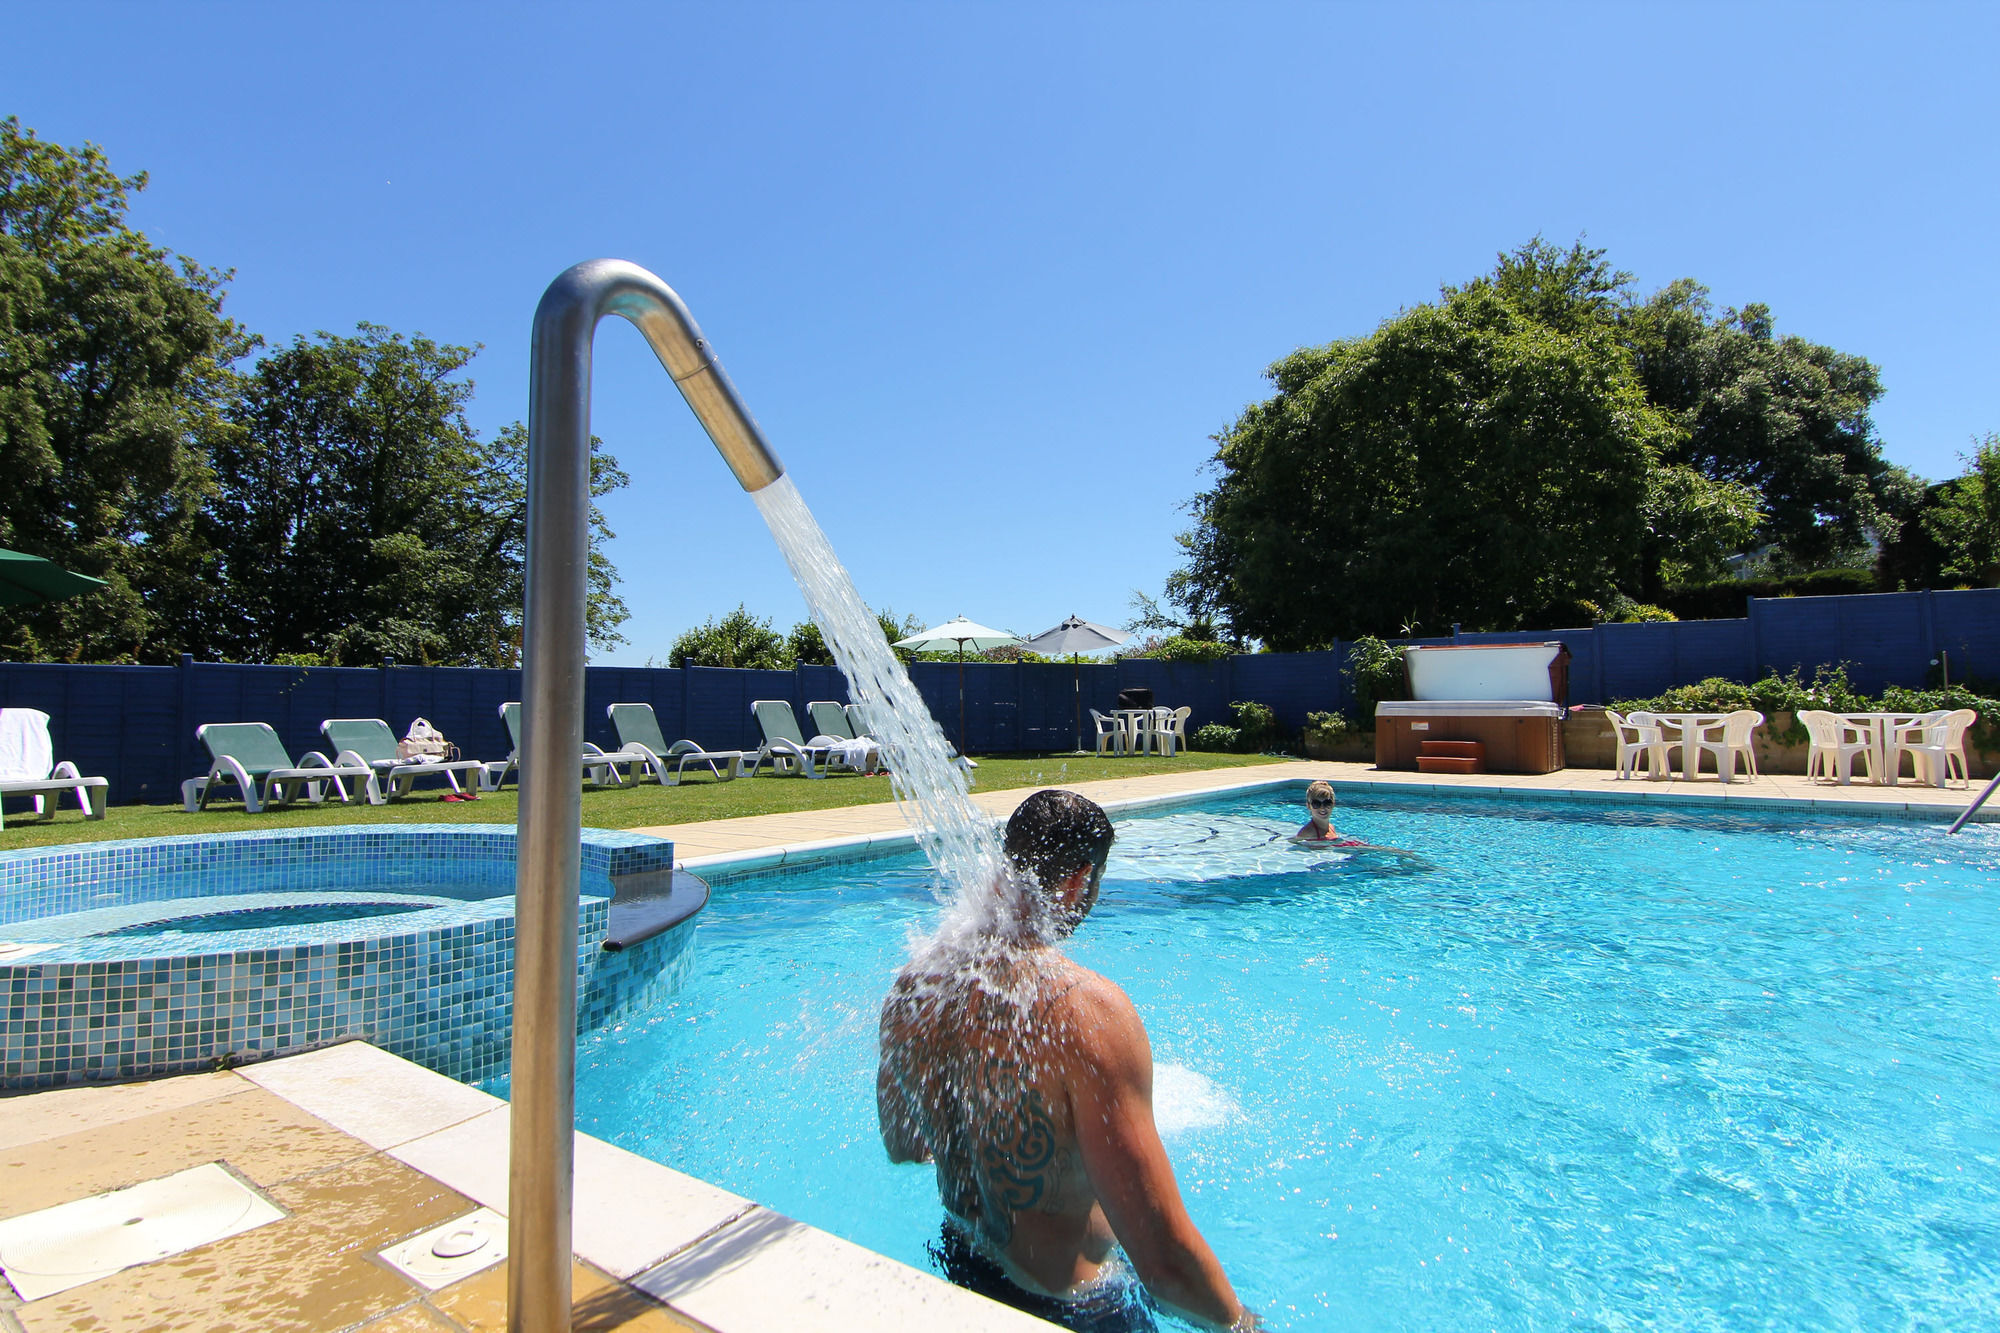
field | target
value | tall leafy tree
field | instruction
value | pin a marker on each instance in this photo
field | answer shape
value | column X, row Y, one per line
column 357, row 516
column 1465, row 462
column 1786, row 417
column 1965, row 521
column 114, row 371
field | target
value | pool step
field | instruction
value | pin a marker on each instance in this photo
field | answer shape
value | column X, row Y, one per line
column 1452, row 757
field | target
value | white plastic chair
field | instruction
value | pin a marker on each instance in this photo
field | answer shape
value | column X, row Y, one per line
column 1111, row 731
column 1736, row 741
column 1914, row 737
column 1834, row 744
column 1956, row 724
column 1936, row 746
column 1178, row 728
column 1647, row 737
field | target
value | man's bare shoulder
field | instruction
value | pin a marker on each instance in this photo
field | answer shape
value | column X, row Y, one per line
column 1103, row 1023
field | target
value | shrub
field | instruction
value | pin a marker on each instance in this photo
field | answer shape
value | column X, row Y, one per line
column 1180, row 648
column 1256, row 727
column 1639, row 612
column 1728, row 598
column 1829, row 689
column 739, row 639
column 1985, row 733
column 1215, row 736
column 1377, row 672
column 1328, row 726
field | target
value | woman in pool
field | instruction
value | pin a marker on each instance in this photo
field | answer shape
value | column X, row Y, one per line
column 1318, row 828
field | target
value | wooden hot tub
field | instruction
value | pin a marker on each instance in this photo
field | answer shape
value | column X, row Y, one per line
column 1506, row 697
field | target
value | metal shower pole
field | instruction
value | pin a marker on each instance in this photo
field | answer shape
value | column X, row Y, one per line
column 540, row 1168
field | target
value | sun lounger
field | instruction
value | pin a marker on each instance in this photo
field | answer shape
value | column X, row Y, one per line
column 369, row 741
column 599, row 769
column 27, row 768
column 250, row 755
column 789, row 751
column 857, row 722
column 832, row 722
column 639, row 735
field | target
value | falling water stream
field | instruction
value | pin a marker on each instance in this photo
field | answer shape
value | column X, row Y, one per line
column 954, row 835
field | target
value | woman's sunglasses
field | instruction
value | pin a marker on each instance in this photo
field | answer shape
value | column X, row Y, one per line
column 1320, row 805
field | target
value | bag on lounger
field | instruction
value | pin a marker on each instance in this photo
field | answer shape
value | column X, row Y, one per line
column 425, row 744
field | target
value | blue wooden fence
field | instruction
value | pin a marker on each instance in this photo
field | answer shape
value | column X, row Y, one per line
column 135, row 725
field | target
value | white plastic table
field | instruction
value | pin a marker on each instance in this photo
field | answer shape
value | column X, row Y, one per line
column 1690, row 726
column 1147, row 729
column 1880, row 727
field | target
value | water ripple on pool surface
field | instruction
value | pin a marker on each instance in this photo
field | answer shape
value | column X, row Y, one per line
column 1627, row 1069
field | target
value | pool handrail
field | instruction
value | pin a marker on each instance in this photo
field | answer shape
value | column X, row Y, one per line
column 1973, row 809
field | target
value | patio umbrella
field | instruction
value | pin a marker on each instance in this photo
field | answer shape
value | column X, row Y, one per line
column 1075, row 635
column 29, row 580
column 961, row 633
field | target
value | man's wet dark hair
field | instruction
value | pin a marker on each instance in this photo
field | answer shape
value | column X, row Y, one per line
column 1054, row 834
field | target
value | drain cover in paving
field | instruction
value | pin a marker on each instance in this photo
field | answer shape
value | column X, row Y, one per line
column 459, row 1248
column 74, row 1243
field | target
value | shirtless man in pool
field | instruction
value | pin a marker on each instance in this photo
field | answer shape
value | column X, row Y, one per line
column 1028, row 1081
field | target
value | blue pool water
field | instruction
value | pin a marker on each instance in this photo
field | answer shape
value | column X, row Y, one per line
column 1576, row 1067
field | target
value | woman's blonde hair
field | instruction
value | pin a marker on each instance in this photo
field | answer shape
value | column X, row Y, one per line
column 1320, row 788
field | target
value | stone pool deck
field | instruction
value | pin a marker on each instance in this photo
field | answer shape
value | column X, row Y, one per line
column 361, row 1150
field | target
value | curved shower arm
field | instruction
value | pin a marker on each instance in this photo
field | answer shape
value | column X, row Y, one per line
column 567, row 318
column 549, row 855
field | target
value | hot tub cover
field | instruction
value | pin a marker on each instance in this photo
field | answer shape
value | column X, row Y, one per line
column 1468, row 708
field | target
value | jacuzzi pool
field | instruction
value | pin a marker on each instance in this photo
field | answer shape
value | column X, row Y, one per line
column 1580, row 1066
column 153, row 956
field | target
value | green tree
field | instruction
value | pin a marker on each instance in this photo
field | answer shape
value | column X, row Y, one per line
column 1537, row 440
column 1465, row 462
column 114, row 369
column 739, row 639
column 1787, row 418
column 356, row 515
column 1965, row 522
column 807, row 645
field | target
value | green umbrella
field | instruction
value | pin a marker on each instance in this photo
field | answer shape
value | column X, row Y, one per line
column 28, row 580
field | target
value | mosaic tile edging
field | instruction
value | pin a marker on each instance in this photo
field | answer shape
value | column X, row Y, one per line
column 440, row 996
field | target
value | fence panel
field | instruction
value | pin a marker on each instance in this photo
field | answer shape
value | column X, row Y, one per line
column 1967, row 624
column 1883, row 637
column 135, row 725
column 121, row 723
column 1052, row 714
column 1291, row 684
column 1206, row 687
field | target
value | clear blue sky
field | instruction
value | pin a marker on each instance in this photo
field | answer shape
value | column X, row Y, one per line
column 990, row 275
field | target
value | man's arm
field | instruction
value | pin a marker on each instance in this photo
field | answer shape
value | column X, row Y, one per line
column 894, row 1111
column 1111, row 1099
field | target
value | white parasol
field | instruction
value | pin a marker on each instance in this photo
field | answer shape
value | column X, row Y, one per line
column 961, row 634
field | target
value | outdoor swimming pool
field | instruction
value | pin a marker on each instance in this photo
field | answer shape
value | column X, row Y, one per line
column 1592, row 1066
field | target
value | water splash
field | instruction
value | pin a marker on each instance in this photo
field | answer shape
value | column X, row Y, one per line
column 955, row 835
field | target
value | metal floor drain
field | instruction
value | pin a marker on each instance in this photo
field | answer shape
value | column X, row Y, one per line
column 70, row 1244
column 458, row 1249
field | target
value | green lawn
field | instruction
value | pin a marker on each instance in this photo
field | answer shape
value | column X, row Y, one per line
column 630, row 807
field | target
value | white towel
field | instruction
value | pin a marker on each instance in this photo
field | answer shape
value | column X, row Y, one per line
column 25, row 752
column 855, row 754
